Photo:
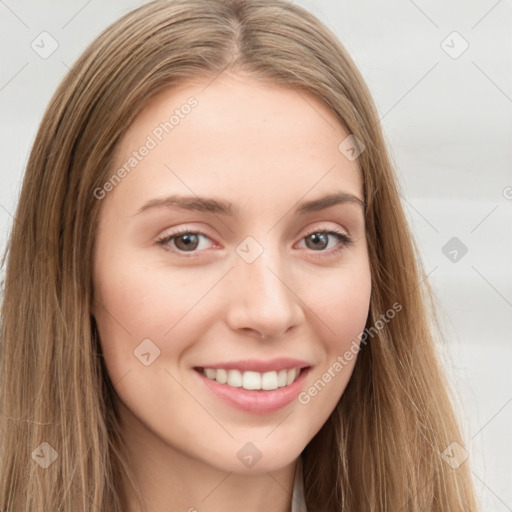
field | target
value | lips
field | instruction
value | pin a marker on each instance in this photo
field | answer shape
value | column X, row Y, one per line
column 256, row 365
column 254, row 374
column 255, row 386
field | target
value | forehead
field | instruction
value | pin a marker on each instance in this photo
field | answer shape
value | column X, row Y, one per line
column 236, row 137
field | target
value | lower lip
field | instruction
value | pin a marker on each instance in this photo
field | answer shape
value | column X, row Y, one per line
column 256, row 401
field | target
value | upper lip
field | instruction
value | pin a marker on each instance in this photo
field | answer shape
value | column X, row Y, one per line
column 258, row 365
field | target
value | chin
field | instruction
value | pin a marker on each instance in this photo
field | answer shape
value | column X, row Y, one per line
column 257, row 457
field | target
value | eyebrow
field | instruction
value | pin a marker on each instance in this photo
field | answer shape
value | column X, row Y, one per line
column 221, row 207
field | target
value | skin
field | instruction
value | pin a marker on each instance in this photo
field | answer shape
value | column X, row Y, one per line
column 263, row 148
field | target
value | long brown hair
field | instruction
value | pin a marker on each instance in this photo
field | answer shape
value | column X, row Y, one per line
column 381, row 448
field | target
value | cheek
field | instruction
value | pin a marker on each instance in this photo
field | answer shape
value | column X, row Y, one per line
column 349, row 315
column 133, row 305
column 342, row 306
column 347, row 310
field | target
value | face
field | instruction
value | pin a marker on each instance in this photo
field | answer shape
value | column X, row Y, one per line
column 226, row 291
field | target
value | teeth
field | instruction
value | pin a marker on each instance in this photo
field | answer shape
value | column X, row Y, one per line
column 253, row 380
column 234, row 378
column 269, row 380
column 290, row 376
column 222, row 376
column 210, row 373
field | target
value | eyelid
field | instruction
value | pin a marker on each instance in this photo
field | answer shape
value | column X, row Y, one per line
column 344, row 239
column 326, row 229
column 168, row 236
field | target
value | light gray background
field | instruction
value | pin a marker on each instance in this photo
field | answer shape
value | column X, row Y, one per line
column 448, row 122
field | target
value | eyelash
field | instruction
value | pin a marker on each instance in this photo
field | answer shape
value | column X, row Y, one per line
column 343, row 239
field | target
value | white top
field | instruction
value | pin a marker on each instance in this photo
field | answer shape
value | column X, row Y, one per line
column 298, row 500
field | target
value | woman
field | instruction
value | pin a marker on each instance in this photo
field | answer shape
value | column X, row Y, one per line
column 213, row 301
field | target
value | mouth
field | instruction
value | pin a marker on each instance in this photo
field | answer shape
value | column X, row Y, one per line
column 257, row 392
column 252, row 380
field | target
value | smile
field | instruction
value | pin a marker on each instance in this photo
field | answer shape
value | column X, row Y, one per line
column 255, row 386
column 252, row 380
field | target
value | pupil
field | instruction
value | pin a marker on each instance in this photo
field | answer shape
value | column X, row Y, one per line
column 319, row 237
column 189, row 241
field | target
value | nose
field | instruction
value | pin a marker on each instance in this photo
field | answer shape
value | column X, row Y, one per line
column 262, row 300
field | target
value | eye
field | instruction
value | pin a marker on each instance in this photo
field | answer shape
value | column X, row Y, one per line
column 319, row 240
column 190, row 241
column 183, row 241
